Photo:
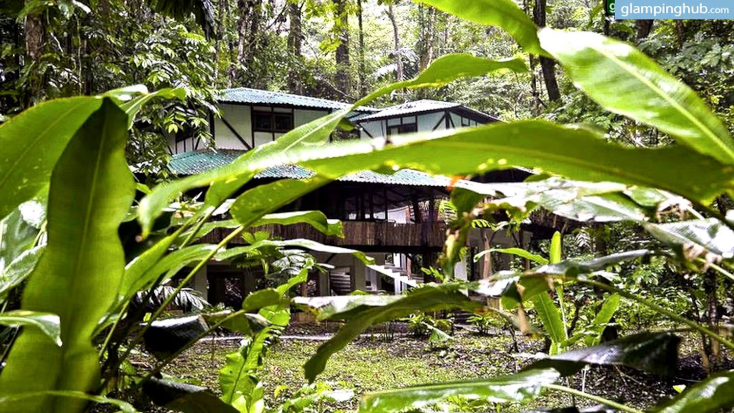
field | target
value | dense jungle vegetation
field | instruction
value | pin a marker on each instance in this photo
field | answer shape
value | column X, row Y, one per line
column 626, row 126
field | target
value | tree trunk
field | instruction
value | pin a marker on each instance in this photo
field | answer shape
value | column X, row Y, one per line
column 427, row 38
column 245, row 7
column 396, row 39
column 546, row 64
column 33, row 33
column 221, row 23
column 362, row 68
column 341, row 26
column 295, row 40
column 644, row 27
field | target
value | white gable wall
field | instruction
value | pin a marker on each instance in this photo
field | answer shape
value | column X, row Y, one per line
column 428, row 121
column 239, row 117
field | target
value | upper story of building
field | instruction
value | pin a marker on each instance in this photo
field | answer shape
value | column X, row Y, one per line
column 251, row 117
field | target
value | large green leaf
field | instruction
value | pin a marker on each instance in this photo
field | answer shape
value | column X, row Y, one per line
column 580, row 201
column 623, row 80
column 19, row 270
column 712, row 394
column 519, row 387
column 502, row 13
column 185, row 398
column 602, row 318
column 448, row 68
column 653, row 352
column 24, row 169
column 238, row 380
column 514, row 251
column 298, row 243
column 46, row 322
column 426, row 298
column 571, row 152
column 78, row 276
column 699, row 237
column 316, row 219
column 343, row 307
column 13, row 399
column 552, row 321
column 19, row 230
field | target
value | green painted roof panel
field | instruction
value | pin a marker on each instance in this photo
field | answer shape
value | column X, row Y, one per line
column 191, row 163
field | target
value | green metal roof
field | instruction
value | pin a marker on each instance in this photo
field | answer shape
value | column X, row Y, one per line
column 192, row 163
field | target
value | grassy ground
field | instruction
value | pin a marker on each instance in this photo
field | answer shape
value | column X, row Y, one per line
column 372, row 364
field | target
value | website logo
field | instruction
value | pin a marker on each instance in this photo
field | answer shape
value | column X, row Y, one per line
column 671, row 9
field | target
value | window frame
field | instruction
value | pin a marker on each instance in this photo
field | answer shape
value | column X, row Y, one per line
column 272, row 116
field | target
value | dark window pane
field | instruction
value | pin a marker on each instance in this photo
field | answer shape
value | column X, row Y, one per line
column 263, row 121
column 283, row 122
column 410, row 128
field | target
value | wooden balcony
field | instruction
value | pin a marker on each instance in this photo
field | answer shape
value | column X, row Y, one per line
column 364, row 235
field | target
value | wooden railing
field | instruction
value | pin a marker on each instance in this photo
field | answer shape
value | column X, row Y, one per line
column 358, row 234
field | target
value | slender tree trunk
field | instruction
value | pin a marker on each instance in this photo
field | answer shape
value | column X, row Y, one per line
column 221, row 23
column 546, row 64
column 362, row 68
column 396, row 38
column 644, row 27
column 343, row 82
column 244, row 6
column 295, row 40
column 33, row 32
column 428, row 35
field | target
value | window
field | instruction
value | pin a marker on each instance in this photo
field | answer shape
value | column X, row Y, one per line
column 272, row 122
column 400, row 129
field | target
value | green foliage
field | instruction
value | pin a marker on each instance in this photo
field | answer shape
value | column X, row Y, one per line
column 519, row 387
column 91, row 190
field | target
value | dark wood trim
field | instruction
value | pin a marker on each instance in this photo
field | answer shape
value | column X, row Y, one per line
column 272, row 114
column 368, row 134
column 236, row 134
column 443, row 119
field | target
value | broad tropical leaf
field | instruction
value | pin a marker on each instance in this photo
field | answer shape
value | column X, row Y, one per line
column 166, row 337
column 514, row 251
column 502, row 13
column 712, row 394
column 316, row 219
column 91, row 191
column 46, row 322
column 552, row 321
column 577, row 154
column 603, row 317
column 623, row 80
column 185, row 398
column 653, row 352
column 299, row 243
column 694, row 238
column 427, row 298
column 19, row 270
column 24, row 170
column 580, row 201
column 519, row 387
column 13, row 399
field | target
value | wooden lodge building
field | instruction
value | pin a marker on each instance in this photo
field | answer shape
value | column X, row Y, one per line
column 395, row 218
